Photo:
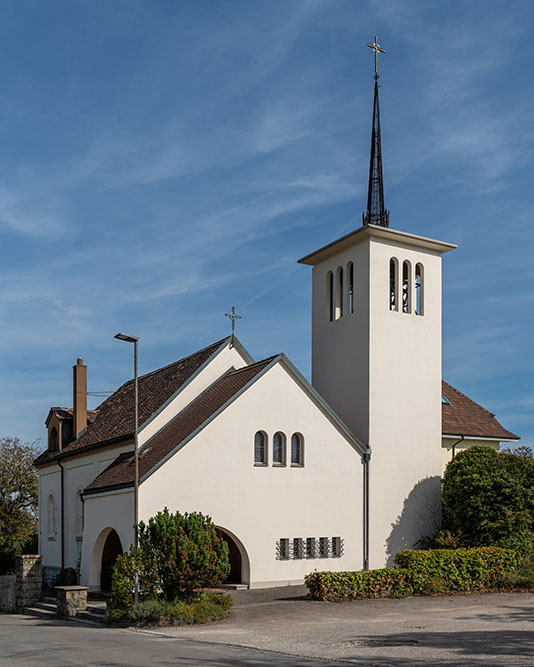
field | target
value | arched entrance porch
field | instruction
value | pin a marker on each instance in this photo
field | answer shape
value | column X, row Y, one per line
column 239, row 563
column 107, row 547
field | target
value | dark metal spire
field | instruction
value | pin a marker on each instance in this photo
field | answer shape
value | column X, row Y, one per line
column 376, row 214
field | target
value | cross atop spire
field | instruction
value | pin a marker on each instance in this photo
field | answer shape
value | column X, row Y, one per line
column 376, row 214
column 377, row 49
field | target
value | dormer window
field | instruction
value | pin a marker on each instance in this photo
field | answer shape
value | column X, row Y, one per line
column 53, row 439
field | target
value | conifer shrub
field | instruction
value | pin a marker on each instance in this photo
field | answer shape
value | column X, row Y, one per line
column 187, row 553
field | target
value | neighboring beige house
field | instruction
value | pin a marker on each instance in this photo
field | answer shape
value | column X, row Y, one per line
column 339, row 474
column 466, row 424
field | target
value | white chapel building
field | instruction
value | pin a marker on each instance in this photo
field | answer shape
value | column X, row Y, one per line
column 339, row 474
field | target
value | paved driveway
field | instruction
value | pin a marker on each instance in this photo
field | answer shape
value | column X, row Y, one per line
column 477, row 629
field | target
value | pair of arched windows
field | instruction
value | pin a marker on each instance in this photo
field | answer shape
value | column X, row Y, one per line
column 261, row 453
column 340, row 292
column 401, row 296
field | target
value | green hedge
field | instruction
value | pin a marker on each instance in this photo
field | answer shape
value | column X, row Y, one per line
column 472, row 569
column 420, row 572
column 339, row 586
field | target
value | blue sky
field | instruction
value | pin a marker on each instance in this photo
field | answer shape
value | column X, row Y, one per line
column 162, row 161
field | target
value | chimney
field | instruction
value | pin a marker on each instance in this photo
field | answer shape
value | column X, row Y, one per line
column 79, row 374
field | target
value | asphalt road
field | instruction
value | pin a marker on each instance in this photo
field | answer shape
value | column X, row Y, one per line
column 32, row 642
column 460, row 630
column 280, row 627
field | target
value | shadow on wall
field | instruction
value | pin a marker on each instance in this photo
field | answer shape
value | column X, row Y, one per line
column 420, row 517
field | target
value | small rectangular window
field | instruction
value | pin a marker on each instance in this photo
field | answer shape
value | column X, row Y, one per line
column 283, row 548
column 310, row 547
column 298, row 547
column 336, row 547
column 323, row 547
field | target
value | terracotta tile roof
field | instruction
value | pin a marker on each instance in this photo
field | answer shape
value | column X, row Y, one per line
column 115, row 416
column 465, row 417
column 121, row 471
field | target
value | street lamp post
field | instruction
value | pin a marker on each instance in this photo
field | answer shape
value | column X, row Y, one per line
column 135, row 340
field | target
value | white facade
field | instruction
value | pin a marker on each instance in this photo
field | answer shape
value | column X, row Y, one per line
column 377, row 362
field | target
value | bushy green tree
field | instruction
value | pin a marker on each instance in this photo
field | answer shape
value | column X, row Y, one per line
column 187, row 552
column 488, row 498
column 18, row 500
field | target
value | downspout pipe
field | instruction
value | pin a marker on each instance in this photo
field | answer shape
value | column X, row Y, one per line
column 365, row 461
column 62, row 495
column 462, row 437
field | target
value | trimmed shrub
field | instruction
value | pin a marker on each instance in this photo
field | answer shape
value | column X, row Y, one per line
column 67, row 576
column 522, row 578
column 186, row 551
column 340, row 586
column 208, row 607
column 122, row 580
column 458, row 569
column 146, row 611
column 430, row 572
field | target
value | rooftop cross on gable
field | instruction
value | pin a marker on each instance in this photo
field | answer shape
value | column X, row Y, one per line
column 233, row 316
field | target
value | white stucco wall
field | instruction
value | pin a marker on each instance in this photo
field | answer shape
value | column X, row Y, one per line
column 79, row 473
column 111, row 510
column 215, row 474
column 467, row 443
column 380, row 370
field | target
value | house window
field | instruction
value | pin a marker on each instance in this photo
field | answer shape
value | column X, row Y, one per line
column 51, row 518
column 298, row 547
column 419, row 289
column 393, row 303
column 53, row 440
column 445, row 400
column 310, row 547
column 337, row 547
column 297, row 450
column 279, row 449
column 406, row 284
column 283, row 548
column 350, row 270
column 330, row 284
column 79, row 515
column 339, row 293
column 323, row 547
column 260, row 448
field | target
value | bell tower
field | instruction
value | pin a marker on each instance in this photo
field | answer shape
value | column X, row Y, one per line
column 376, row 359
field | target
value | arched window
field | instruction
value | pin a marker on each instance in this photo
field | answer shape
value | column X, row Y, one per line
column 53, row 440
column 260, row 448
column 279, row 449
column 79, row 515
column 350, row 271
column 339, row 293
column 51, row 518
column 406, row 287
column 419, row 293
column 297, row 450
column 393, row 300
column 330, row 287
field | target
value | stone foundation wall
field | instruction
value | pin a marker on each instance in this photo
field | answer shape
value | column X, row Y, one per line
column 29, row 581
column 7, row 592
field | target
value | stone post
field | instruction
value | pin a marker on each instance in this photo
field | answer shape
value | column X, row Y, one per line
column 71, row 600
column 28, row 580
